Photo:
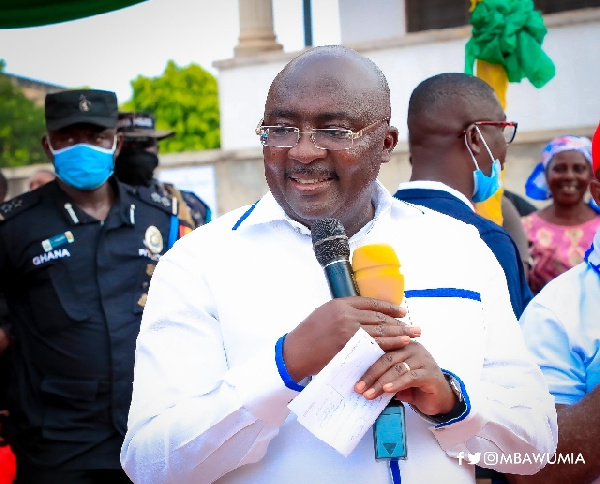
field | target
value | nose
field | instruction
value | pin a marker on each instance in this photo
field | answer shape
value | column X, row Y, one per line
column 306, row 151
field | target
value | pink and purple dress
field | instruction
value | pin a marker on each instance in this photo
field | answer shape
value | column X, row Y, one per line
column 555, row 248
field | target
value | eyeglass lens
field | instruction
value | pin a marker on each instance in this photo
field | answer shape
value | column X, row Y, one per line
column 287, row 137
column 509, row 133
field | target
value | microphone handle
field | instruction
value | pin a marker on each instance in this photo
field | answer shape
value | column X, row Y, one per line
column 341, row 279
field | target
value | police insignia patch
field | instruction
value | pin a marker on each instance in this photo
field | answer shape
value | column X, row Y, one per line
column 153, row 240
column 84, row 104
column 10, row 206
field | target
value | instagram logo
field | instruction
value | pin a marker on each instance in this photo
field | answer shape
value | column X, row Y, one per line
column 490, row 458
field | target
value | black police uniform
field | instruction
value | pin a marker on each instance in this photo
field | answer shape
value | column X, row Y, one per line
column 76, row 288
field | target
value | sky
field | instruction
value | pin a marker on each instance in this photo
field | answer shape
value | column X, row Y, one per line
column 108, row 51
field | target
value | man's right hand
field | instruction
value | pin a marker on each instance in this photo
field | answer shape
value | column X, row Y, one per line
column 317, row 339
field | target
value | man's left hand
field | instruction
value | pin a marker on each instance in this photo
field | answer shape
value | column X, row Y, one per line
column 413, row 375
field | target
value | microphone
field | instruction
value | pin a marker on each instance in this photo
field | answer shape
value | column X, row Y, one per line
column 377, row 273
column 330, row 244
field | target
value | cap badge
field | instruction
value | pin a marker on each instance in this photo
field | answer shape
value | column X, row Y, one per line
column 153, row 240
column 84, row 104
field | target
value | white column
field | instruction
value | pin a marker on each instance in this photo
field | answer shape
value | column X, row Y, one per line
column 256, row 28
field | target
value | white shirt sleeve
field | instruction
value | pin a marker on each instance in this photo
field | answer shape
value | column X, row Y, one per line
column 511, row 409
column 187, row 427
column 550, row 343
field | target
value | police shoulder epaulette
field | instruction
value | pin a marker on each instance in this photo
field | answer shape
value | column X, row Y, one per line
column 152, row 197
column 18, row 204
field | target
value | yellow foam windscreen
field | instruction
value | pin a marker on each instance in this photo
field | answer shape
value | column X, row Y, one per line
column 377, row 272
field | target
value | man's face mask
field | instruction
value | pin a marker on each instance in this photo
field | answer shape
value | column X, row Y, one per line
column 135, row 166
column 485, row 186
column 84, row 166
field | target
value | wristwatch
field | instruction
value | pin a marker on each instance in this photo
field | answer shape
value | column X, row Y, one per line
column 456, row 411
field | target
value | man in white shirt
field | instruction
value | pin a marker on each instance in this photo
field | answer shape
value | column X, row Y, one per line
column 239, row 315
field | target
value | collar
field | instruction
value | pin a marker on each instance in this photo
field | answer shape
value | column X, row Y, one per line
column 592, row 255
column 124, row 206
column 436, row 185
column 267, row 210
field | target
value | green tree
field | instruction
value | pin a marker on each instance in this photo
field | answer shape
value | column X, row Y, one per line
column 22, row 126
column 184, row 100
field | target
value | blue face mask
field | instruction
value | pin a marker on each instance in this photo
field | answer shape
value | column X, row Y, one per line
column 485, row 186
column 84, row 166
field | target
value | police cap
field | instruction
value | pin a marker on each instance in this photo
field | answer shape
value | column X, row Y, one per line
column 91, row 106
column 140, row 125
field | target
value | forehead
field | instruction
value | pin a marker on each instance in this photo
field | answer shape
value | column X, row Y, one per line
column 335, row 85
column 82, row 128
column 569, row 156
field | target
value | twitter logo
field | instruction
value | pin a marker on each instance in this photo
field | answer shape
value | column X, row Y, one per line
column 474, row 458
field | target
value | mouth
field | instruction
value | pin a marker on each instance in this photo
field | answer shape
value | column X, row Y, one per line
column 569, row 188
column 310, row 180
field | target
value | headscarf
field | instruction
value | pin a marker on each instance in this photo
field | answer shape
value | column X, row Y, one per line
column 536, row 186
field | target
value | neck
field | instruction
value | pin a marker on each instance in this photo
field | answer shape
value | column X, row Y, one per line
column 569, row 214
column 462, row 183
column 95, row 203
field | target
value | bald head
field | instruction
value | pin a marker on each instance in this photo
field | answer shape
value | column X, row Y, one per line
column 443, row 140
column 445, row 104
column 329, row 88
column 336, row 69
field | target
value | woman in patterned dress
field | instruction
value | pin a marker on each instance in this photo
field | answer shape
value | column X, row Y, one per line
column 560, row 233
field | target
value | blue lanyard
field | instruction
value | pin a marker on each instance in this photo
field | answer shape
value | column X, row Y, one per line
column 395, row 470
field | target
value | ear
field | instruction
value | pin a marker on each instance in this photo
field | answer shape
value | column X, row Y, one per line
column 119, row 145
column 389, row 143
column 473, row 138
column 46, row 146
column 595, row 190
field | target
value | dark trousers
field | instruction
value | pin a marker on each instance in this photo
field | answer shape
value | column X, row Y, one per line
column 91, row 476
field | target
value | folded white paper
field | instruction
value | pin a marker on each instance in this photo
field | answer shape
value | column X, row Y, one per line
column 330, row 408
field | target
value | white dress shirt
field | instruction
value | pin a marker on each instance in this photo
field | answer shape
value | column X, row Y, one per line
column 208, row 401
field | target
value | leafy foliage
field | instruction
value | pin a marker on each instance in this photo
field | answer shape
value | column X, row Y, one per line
column 184, row 100
column 22, row 126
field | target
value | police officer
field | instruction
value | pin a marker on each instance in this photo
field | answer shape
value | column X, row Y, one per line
column 138, row 159
column 76, row 257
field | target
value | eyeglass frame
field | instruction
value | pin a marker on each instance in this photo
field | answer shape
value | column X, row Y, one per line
column 355, row 134
column 502, row 124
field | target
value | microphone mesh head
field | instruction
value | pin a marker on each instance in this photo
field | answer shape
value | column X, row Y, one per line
column 330, row 242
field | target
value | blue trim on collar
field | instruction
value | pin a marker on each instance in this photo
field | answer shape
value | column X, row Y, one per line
column 245, row 216
column 595, row 267
column 444, row 292
column 465, row 396
column 283, row 373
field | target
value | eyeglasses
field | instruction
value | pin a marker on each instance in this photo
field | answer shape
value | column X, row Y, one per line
column 325, row 139
column 509, row 128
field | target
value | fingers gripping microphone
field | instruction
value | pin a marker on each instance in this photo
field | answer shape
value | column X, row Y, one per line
column 377, row 272
column 330, row 244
